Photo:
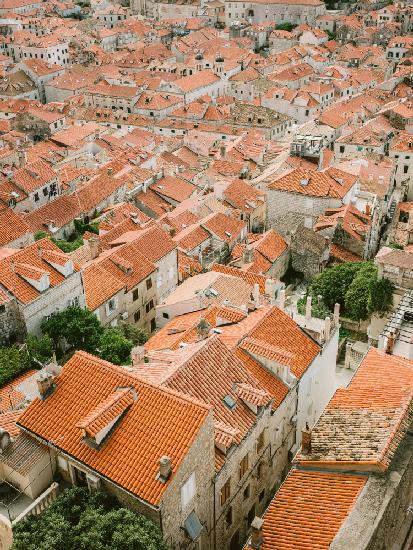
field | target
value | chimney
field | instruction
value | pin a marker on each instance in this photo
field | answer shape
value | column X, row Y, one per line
column 93, row 244
column 391, row 339
column 165, row 469
column 202, row 329
column 256, row 294
column 306, row 440
column 257, row 538
column 44, row 384
column 308, row 308
column 247, row 255
column 327, row 328
column 336, row 314
column 110, row 171
column 5, row 440
column 137, row 355
column 281, row 300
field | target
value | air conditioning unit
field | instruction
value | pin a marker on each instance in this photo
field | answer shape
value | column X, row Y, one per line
column 124, row 315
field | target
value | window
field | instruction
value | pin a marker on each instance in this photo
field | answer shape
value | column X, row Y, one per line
column 188, row 491
column 148, row 284
column 111, row 305
column 135, row 294
column 260, row 442
column 260, row 470
column 341, row 148
column 247, row 492
column 243, row 466
column 149, row 306
column 153, row 325
column 261, row 495
column 165, row 315
column 45, row 191
column 137, row 316
column 405, row 169
column 225, row 491
column 228, row 516
column 251, row 515
column 36, row 197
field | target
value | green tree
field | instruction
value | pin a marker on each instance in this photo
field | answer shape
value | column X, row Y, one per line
column 39, row 349
column 332, row 284
column 358, row 294
column 13, row 361
column 80, row 328
column 114, row 347
column 381, row 296
column 285, row 27
column 77, row 520
column 133, row 333
column 355, row 287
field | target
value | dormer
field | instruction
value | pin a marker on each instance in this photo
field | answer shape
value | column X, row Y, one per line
column 225, row 436
column 122, row 264
column 97, row 426
column 59, row 261
column 254, row 398
column 38, row 278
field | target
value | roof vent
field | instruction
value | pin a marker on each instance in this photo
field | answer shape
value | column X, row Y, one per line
column 304, row 181
column 229, row 402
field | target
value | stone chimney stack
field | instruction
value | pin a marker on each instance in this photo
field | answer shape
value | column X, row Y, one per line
column 44, row 383
column 306, row 440
column 93, row 244
column 308, row 308
column 257, row 538
column 256, row 294
column 248, row 255
column 281, row 300
column 165, row 468
column 336, row 314
column 202, row 329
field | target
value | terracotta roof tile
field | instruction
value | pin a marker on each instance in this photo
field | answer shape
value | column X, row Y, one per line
column 83, row 385
column 365, row 422
column 309, row 509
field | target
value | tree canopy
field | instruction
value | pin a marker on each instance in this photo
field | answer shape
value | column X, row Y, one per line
column 78, row 520
column 79, row 329
column 355, row 286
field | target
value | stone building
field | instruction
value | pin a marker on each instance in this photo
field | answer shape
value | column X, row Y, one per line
column 167, row 479
column 309, row 252
column 303, row 11
column 187, row 354
column 355, row 459
column 300, row 196
column 42, row 280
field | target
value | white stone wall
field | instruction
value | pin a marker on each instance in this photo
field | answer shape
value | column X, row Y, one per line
column 167, row 276
column 261, row 13
column 53, row 300
column 317, row 385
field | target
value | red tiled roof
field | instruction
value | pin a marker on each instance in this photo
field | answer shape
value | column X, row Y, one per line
column 250, row 278
column 12, row 226
column 309, row 509
column 364, row 423
column 84, row 383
